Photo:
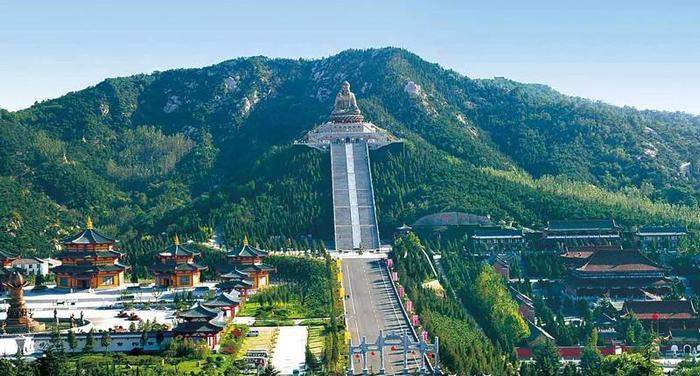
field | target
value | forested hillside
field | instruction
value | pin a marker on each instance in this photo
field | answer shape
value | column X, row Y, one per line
column 192, row 149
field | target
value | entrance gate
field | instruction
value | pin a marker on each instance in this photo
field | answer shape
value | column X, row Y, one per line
column 402, row 341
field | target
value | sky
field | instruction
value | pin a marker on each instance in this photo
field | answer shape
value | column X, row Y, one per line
column 640, row 53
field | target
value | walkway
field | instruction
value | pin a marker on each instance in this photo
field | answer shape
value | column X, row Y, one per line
column 290, row 350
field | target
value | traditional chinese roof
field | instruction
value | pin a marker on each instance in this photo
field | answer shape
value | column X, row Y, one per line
column 255, row 268
column 662, row 309
column 176, row 267
column 88, row 236
column 7, row 256
column 199, row 312
column 90, row 269
column 176, row 249
column 619, row 262
column 247, row 250
column 497, row 233
column 224, row 300
column 404, row 227
column 606, row 283
column 582, row 225
column 189, row 327
column 88, row 254
column 29, row 261
column 235, row 284
column 661, row 230
column 234, row 274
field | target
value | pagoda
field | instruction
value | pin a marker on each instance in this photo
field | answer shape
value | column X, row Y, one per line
column 89, row 261
column 200, row 323
column 175, row 267
column 229, row 303
column 235, row 280
column 249, row 260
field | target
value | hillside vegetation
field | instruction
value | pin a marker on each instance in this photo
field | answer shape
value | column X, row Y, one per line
column 189, row 150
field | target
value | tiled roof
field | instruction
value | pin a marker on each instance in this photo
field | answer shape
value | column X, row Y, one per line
column 199, row 312
column 603, row 283
column 665, row 309
column 88, row 236
column 199, row 327
column 224, row 300
column 89, row 268
column 178, row 250
column 247, row 250
column 582, row 225
column 661, row 230
column 255, row 268
column 7, row 255
column 88, row 254
column 173, row 267
column 235, row 284
column 234, row 274
column 497, row 233
column 619, row 262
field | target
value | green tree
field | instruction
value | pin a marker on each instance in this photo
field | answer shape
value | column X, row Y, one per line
column 89, row 341
column 591, row 360
column 547, row 358
column 106, row 339
column 72, row 340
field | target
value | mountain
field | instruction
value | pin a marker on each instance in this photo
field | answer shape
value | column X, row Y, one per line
column 188, row 150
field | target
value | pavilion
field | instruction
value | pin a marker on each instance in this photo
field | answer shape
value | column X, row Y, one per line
column 175, row 267
column 89, row 261
column 249, row 260
column 200, row 323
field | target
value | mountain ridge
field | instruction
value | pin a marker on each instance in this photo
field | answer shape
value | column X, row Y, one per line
column 185, row 149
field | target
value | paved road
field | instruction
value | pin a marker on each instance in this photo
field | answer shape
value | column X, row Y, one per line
column 373, row 306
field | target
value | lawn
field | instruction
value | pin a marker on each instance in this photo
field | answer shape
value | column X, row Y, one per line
column 276, row 311
column 316, row 339
column 265, row 341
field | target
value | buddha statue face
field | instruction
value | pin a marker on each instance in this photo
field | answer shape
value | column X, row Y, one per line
column 345, row 88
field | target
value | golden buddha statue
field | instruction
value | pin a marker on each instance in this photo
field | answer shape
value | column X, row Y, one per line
column 345, row 109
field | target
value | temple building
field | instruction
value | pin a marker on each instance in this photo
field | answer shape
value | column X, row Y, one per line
column 249, row 260
column 663, row 315
column 89, row 261
column 228, row 303
column 626, row 274
column 498, row 240
column 659, row 239
column 575, row 257
column 562, row 234
column 200, row 323
column 235, row 280
column 175, row 267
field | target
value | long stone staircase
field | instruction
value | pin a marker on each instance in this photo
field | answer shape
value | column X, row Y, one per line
column 353, row 197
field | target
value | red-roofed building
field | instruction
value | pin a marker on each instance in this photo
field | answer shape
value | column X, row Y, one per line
column 249, row 260
column 175, row 267
column 663, row 314
column 618, row 274
column 89, row 260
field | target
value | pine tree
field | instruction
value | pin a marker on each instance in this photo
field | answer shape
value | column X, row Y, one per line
column 106, row 339
column 89, row 341
column 72, row 340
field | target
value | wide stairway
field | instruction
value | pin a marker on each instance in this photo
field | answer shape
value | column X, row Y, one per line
column 354, row 213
